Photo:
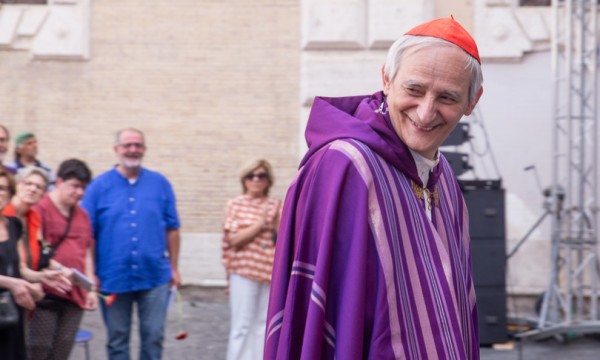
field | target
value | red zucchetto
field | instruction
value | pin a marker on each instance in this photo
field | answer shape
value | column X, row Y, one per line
column 450, row 30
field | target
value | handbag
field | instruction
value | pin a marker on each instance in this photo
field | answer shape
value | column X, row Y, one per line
column 9, row 313
column 52, row 302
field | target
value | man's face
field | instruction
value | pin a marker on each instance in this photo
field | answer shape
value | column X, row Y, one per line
column 3, row 143
column 130, row 150
column 69, row 191
column 29, row 147
column 428, row 96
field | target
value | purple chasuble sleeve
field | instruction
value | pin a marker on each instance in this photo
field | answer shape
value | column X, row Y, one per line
column 361, row 273
column 328, row 267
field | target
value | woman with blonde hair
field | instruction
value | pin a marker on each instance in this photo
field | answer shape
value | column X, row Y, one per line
column 23, row 293
column 251, row 221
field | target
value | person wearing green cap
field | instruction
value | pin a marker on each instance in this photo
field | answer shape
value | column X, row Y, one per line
column 26, row 150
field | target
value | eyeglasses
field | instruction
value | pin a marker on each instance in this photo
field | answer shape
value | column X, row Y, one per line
column 37, row 186
column 134, row 145
column 260, row 176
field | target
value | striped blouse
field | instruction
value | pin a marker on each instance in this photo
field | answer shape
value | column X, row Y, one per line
column 255, row 259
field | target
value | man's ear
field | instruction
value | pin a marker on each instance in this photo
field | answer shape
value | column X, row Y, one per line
column 385, row 81
column 472, row 106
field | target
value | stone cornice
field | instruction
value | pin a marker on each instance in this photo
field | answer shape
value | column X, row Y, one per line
column 59, row 30
column 507, row 33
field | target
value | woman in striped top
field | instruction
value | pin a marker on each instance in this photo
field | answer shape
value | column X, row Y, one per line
column 250, row 225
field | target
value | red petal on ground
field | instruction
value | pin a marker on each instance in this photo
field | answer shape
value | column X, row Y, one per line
column 181, row 336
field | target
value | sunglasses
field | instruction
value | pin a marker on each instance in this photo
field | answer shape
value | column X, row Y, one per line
column 259, row 176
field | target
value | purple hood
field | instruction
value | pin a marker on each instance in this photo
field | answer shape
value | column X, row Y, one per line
column 356, row 118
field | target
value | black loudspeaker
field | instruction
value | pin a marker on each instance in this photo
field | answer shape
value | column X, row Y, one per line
column 459, row 162
column 460, row 135
column 485, row 201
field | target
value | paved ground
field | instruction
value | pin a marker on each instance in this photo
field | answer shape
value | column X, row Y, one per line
column 207, row 322
column 206, row 317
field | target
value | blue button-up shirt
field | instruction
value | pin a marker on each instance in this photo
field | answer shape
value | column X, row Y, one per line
column 130, row 222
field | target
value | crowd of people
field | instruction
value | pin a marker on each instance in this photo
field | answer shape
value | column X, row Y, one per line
column 124, row 239
column 68, row 240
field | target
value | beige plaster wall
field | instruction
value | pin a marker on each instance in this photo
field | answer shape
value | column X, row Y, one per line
column 212, row 83
column 462, row 10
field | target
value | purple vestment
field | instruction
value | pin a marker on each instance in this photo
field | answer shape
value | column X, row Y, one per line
column 360, row 271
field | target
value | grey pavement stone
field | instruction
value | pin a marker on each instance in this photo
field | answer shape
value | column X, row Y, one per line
column 206, row 319
column 206, row 314
column 583, row 348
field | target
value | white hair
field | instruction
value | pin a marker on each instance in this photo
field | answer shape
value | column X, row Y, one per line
column 398, row 48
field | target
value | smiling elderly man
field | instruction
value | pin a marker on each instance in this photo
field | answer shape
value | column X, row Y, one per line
column 136, row 226
column 373, row 258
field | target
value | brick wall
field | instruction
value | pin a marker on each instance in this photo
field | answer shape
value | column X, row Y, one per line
column 212, row 84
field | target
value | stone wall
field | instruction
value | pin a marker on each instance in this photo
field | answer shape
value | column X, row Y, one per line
column 212, row 84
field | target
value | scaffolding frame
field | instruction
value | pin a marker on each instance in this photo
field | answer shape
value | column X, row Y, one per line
column 570, row 303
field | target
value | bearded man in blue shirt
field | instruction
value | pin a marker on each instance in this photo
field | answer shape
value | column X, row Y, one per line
column 136, row 226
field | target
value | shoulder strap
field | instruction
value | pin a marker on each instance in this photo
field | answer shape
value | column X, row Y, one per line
column 66, row 233
column 25, row 239
column 14, row 229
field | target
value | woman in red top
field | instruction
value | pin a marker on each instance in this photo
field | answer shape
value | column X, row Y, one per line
column 31, row 186
column 67, row 228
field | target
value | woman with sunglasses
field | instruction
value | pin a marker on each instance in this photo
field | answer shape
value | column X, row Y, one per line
column 249, row 228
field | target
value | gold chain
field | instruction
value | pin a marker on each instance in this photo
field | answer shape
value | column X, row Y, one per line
column 419, row 191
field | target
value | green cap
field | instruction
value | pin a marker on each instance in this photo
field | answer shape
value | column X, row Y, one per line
column 23, row 136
